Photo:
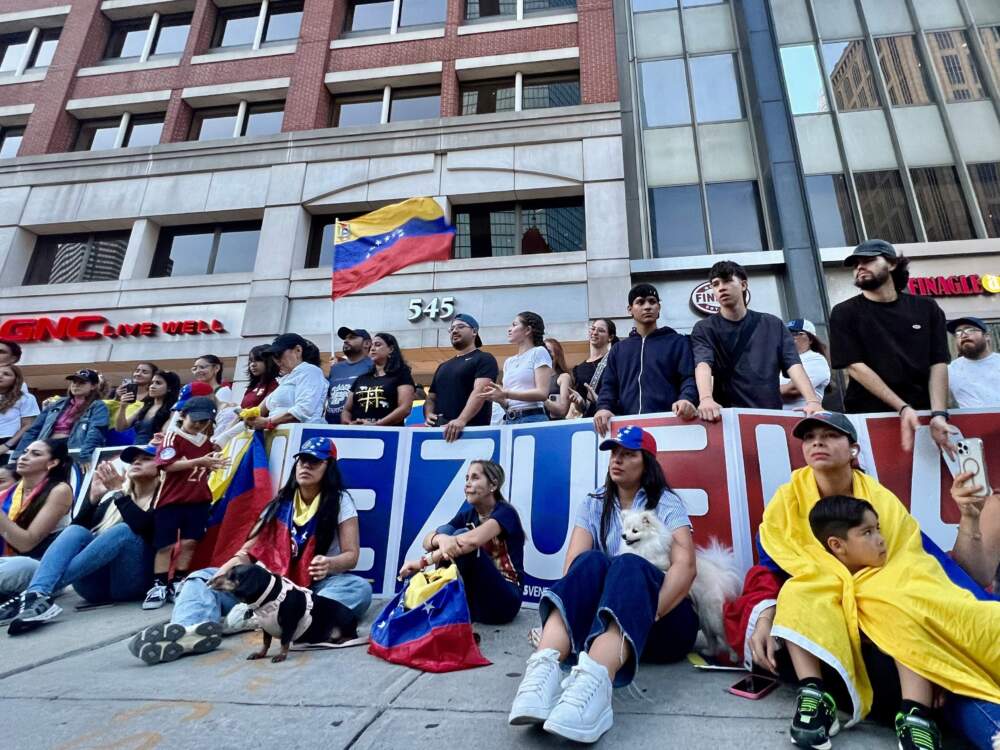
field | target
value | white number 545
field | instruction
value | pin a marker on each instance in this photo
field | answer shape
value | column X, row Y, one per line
column 438, row 308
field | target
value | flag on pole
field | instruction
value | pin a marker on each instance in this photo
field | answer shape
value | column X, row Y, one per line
column 386, row 240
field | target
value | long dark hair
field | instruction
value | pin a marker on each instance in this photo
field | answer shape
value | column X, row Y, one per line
column 817, row 345
column 213, row 360
column 331, row 491
column 558, row 356
column 262, row 353
column 395, row 363
column 173, row 381
column 310, row 354
column 58, row 450
column 536, row 324
column 652, row 481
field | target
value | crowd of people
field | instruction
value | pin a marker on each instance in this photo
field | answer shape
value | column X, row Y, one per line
column 135, row 535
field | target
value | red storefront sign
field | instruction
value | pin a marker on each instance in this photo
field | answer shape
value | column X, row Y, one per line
column 91, row 327
column 966, row 285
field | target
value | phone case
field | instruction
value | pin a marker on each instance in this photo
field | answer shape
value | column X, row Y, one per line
column 752, row 696
column 972, row 457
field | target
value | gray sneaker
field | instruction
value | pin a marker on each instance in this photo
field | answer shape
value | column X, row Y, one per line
column 156, row 597
column 10, row 608
column 239, row 620
column 170, row 641
column 36, row 609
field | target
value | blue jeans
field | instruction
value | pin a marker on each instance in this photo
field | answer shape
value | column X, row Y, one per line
column 598, row 590
column 528, row 419
column 15, row 575
column 493, row 600
column 198, row 603
column 976, row 720
column 110, row 567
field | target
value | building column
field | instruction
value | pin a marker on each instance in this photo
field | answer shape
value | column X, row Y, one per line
column 16, row 245
column 140, row 251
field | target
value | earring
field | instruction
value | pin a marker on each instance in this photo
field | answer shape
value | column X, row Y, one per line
column 854, row 452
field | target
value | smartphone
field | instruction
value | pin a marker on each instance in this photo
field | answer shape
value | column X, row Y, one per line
column 753, row 686
column 972, row 458
column 955, row 436
column 133, row 388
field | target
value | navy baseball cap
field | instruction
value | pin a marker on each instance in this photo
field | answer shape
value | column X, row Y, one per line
column 871, row 249
column 134, row 451
column 344, row 332
column 200, row 408
column 977, row 322
column 801, row 324
column 286, row 341
column 320, row 448
column 86, row 376
column 473, row 324
column 632, row 437
column 833, row 419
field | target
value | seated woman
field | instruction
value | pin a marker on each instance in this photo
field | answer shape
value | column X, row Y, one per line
column 308, row 533
column 154, row 409
column 879, row 640
column 610, row 609
column 32, row 512
column 485, row 540
column 105, row 554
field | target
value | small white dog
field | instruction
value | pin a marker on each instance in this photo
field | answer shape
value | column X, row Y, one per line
column 716, row 581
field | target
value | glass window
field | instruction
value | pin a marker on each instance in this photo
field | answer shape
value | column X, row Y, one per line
column 66, row 259
column 489, row 8
column 207, row 249
column 716, row 90
column 419, row 104
column 904, row 73
column 127, row 39
column 485, row 231
column 45, row 50
column 991, row 48
column 283, row 21
column 638, row 6
column 830, row 209
column 804, row 82
column 955, row 67
column 499, row 229
column 369, row 16
column 677, row 221
column 237, row 249
column 552, row 226
column 484, row 97
column 850, row 75
column 96, row 135
column 10, row 142
column 664, row 93
column 236, row 27
column 210, row 124
column 696, row 3
column 364, row 109
column 883, row 206
column 12, row 49
column 942, row 206
column 423, row 12
column 320, row 252
column 264, row 119
column 986, row 183
column 735, row 218
column 144, row 131
column 542, row 6
column 550, row 91
column 171, row 36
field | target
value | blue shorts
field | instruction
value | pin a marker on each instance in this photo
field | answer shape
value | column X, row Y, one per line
column 190, row 519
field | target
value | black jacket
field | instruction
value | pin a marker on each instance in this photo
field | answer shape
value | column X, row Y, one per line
column 647, row 375
column 139, row 520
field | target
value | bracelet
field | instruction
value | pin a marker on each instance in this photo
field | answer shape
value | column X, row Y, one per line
column 940, row 413
column 433, row 536
column 904, row 407
column 428, row 560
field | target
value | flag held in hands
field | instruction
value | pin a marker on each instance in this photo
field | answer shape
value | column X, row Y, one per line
column 386, row 240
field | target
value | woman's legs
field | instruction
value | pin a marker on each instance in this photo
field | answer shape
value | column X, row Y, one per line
column 114, row 567
column 354, row 592
column 15, row 575
column 58, row 558
column 493, row 600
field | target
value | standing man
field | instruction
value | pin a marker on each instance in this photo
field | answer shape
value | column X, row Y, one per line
column 455, row 398
column 357, row 343
column 741, row 353
column 652, row 370
column 894, row 346
column 974, row 375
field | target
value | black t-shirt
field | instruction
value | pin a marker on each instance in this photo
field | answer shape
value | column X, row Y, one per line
column 506, row 550
column 899, row 340
column 453, row 383
column 582, row 375
column 375, row 397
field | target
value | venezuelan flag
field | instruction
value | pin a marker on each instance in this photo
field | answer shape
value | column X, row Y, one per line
column 386, row 240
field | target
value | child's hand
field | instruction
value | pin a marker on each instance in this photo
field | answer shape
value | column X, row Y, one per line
column 215, row 461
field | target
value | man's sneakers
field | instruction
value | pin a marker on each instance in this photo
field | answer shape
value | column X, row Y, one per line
column 36, row 609
column 10, row 608
column 914, row 732
column 239, row 620
column 169, row 642
column 539, row 690
column 156, row 597
column 583, row 712
column 815, row 719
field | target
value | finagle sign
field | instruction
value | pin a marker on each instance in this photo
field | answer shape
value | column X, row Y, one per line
column 92, row 327
column 966, row 285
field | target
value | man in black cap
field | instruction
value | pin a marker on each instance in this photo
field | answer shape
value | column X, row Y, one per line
column 893, row 345
column 455, row 398
column 974, row 375
column 650, row 371
column 357, row 344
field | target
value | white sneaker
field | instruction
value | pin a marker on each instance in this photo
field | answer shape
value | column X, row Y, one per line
column 239, row 620
column 539, row 690
column 583, row 713
column 156, row 597
column 170, row 641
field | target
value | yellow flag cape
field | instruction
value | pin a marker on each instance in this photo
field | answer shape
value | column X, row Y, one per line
column 908, row 608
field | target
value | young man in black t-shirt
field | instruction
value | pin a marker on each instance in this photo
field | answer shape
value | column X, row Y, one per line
column 455, row 400
column 894, row 346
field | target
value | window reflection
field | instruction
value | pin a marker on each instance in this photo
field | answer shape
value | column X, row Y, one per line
column 850, row 75
column 677, row 221
column 883, row 206
column 734, row 217
column 986, row 183
column 904, row 73
column 942, row 205
column 664, row 93
column 803, row 80
column 716, row 91
column 830, row 209
column 955, row 67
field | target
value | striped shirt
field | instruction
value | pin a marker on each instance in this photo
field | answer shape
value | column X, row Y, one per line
column 670, row 510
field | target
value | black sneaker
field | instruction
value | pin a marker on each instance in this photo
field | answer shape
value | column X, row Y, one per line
column 170, row 641
column 10, row 608
column 36, row 610
column 815, row 719
column 915, row 732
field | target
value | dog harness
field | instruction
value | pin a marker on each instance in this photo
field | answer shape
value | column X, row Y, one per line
column 267, row 614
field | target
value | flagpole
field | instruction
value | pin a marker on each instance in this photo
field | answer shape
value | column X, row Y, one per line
column 333, row 301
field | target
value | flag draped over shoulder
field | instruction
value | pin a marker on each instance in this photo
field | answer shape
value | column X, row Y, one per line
column 386, row 240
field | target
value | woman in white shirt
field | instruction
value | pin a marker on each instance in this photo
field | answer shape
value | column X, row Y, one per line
column 302, row 387
column 527, row 376
column 814, row 358
column 18, row 409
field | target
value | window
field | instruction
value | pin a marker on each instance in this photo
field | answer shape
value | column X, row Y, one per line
column 269, row 22
column 850, row 75
column 942, row 206
column 991, row 49
column 548, row 6
column 236, row 121
column 264, row 119
column 320, row 252
column 10, row 141
column 830, row 209
column 236, row 27
column 735, row 217
column 414, row 104
column 96, row 135
column 986, row 183
column 716, row 90
column 955, row 67
column 143, row 131
column 370, row 16
column 803, row 80
column 127, row 39
column 404, row 104
column 883, row 206
column 45, row 49
column 475, row 9
column 138, row 130
column 677, row 221
column 664, row 93
column 423, row 12
column 904, row 73
column 210, row 124
column 282, row 21
column 171, row 35
column 539, row 92
column 12, row 50
column 18, row 53
column 499, row 229
column 67, row 259
column 484, row 97
column 364, row 109
column 206, row 249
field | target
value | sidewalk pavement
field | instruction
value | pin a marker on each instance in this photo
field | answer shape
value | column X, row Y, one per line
column 73, row 685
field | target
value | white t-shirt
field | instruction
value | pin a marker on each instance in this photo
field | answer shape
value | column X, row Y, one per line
column 347, row 510
column 519, row 374
column 975, row 383
column 818, row 370
column 10, row 420
column 302, row 392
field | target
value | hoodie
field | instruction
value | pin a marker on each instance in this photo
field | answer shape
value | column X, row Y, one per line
column 647, row 375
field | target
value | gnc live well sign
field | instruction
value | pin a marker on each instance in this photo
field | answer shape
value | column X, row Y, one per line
column 92, row 327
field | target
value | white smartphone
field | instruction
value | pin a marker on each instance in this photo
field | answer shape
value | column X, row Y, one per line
column 955, row 436
column 972, row 458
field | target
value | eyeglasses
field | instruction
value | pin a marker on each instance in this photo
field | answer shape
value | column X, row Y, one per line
column 963, row 332
column 458, row 327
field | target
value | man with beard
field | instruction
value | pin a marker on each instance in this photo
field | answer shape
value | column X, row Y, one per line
column 893, row 345
column 455, row 398
column 357, row 343
column 974, row 375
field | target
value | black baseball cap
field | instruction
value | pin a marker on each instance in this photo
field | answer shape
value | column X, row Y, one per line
column 200, row 408
column 871, row 249
column 344, row 332
column 642, row 289
column 977, row 322
column 129, row 454
column 286, row 341
column 87, row 376
column 833, row 419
